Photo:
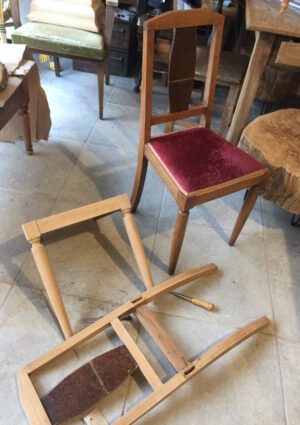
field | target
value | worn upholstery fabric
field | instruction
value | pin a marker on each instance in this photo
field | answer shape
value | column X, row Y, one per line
column 60, row 40
column 198, row 158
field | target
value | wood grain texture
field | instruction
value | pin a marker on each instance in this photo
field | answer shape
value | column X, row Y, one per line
column 264, row 15
column 274, row 140
column 289, row 54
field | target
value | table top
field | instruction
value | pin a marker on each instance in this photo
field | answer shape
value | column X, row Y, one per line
column 265, row 16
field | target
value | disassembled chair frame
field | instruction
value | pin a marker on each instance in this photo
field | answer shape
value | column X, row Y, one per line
column 185, row 369
column 35, row 229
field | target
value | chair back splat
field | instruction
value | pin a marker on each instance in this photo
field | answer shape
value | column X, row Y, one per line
column 181, row 67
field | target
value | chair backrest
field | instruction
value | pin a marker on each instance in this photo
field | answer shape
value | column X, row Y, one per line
column 181, row 67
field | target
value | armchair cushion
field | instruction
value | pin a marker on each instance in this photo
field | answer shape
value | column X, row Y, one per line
column 198, row 158
column 60, row 40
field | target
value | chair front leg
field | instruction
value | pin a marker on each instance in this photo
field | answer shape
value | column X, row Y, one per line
column 248, row 204
column 139, row 181
column 178, row 236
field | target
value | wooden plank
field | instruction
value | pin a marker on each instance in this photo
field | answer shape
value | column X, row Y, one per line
column 137, row 248
column 259, row 58
column 197, row 366
column 186, row 18
column 264, row 15
column 31, row 231
column 167, row 117
column 136, row 353
column 77, row 215
column 289, row 54
column 120, row 312
column 30, row 400
column 166, row 344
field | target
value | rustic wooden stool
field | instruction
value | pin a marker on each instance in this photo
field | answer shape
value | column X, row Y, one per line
column 232, row 68
column 274, row 140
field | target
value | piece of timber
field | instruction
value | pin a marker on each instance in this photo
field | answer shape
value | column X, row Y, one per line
column 193, row 369
column 120, row 312
column 136, row 353
column 79, row 392
column 289, row 54
column 166, row 344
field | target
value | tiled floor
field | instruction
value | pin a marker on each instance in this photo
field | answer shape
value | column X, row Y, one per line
column 86, row 160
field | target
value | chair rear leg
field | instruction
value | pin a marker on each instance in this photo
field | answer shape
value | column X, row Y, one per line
column 248, row 204
column 178, row 235
column 107, row 72
column 139, row 181
column 100, row 74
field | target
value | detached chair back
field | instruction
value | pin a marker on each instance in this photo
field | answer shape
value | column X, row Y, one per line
column 196, row 164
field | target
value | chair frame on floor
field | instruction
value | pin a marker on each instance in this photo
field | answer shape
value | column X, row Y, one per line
column 185, row 368
column 13, row 12
column 178, row 106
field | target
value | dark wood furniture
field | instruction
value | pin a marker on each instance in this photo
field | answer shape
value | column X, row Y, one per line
column 18, row 101
column 196, row 164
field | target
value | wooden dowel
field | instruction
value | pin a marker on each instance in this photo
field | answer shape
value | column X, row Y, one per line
column 48, row 278
column 136, row 353
column 138, row 249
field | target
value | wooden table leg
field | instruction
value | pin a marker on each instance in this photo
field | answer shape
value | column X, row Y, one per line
column 26, row 129
column 258, row 60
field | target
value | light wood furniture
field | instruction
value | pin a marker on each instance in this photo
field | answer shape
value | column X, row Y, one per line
column 17, row 99
column 263, row 17
column 59, row 41
column 274, row 139
column 185, row 369
column 195, row 164
column 35, row 229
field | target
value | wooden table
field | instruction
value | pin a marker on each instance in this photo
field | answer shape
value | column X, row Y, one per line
column 15, row 98
column 263, row 17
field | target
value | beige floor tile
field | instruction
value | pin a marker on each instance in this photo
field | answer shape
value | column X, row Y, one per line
column 289, row 360
column 4, row 290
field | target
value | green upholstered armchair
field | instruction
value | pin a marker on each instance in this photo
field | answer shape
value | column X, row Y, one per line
column 62, row 41
column 9, row 16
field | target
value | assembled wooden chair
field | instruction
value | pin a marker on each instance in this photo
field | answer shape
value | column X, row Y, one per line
column 67, row 42
column 195, row 164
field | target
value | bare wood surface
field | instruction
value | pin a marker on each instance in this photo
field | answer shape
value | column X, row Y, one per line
column 273, row 139
column 136, row 353
column 197, row 366
column 138, row 249
column 264, row 15
column 259, row 58
column 166, row 344
column 122, row 311
column 40, row 256
column 289, row 54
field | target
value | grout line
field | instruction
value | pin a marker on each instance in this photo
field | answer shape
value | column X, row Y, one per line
column 274, row 316
column 7, row 295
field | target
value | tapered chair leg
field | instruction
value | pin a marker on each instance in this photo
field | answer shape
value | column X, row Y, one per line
column 107, row 72
column 26, row 129
column 139, row 182
column 178, row 235
column 248, row 204
column 100, row 73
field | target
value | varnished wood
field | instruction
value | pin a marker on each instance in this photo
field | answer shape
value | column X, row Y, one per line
column 100, row 76
column 166, row 344
column 274, row 140
column 180, row 79
column 178, row 236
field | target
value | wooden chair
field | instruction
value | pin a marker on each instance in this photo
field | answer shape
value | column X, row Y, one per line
column 195, row 164
column 9, row 16
column 59, row 41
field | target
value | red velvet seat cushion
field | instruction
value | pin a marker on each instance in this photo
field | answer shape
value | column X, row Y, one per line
column 198, row 158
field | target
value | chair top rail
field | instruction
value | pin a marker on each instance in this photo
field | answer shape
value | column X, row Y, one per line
column 183, row 19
